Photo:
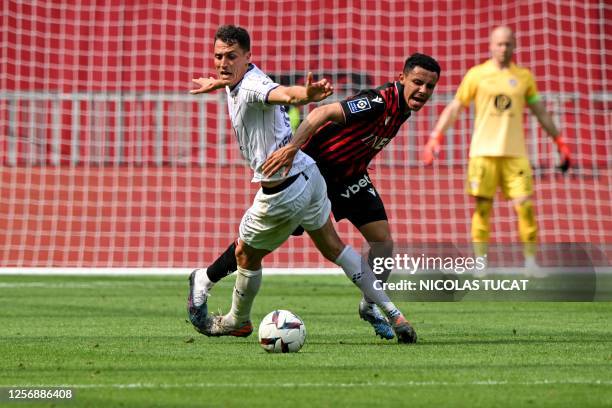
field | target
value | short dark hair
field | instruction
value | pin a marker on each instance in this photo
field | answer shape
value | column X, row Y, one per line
column 231, row 34
column 423, row 61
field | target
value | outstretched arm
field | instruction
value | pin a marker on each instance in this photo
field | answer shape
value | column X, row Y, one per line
column 446, row 120
column 284, row 156
column 208, row 85
column 301, row 95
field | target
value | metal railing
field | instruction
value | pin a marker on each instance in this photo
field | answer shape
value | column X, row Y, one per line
column 115, row 128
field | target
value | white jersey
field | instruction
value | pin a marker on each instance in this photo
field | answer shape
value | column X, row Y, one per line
column 261, row 128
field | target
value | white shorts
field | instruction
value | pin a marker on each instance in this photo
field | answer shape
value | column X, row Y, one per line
column 273, row 217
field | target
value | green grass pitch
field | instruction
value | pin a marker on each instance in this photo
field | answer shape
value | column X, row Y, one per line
column 125, row 342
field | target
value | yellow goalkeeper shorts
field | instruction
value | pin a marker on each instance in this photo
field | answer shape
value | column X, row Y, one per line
column 512, row 174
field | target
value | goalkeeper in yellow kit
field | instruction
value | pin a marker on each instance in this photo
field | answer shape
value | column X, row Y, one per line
column 500, row 90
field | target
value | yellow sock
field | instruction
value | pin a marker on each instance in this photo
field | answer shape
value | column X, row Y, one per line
column 480, row 226
column 528, row 228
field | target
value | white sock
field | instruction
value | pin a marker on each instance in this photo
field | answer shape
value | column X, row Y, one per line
column 530, row 261
column 246, row 288
column 361, row 275
column 202, row 285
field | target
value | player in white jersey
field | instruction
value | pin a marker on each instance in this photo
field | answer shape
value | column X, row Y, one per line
column 261, row 130
column 284, row 202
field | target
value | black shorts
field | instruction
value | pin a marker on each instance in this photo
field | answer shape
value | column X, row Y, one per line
column 355, row 199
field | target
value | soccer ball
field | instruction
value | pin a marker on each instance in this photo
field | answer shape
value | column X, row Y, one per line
column 282, row 332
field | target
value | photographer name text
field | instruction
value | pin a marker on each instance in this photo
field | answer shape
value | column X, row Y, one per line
column 454, row 285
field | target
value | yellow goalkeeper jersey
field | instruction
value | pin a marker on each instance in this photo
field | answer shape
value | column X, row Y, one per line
column 499, row 98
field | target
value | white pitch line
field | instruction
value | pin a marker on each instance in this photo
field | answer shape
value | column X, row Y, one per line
column 152, row 271
column 83, row 285
column 78, row 271
column 319, row 385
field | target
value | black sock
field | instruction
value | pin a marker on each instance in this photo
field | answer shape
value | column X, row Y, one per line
column 224, row 265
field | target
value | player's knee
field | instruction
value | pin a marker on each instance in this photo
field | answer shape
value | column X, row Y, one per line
column 524, row 210
column 375, row 231
column 246, row 257
column 242, row 258
column 377, row 234
column 522, row 201
column 483, row 208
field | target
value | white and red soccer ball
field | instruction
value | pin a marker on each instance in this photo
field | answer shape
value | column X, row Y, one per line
column 282, row 332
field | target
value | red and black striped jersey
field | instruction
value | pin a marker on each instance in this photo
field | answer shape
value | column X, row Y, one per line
column 373, row 117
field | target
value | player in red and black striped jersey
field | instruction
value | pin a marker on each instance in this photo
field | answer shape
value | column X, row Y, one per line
column 357, row 130
column 370, row 120
column 343, row 138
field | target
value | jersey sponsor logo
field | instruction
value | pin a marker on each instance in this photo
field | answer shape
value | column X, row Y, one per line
column 513, row 82
column 502, row 102
column 378, row 99
column 376, row 142
column 353, row 189
column 359, row 105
